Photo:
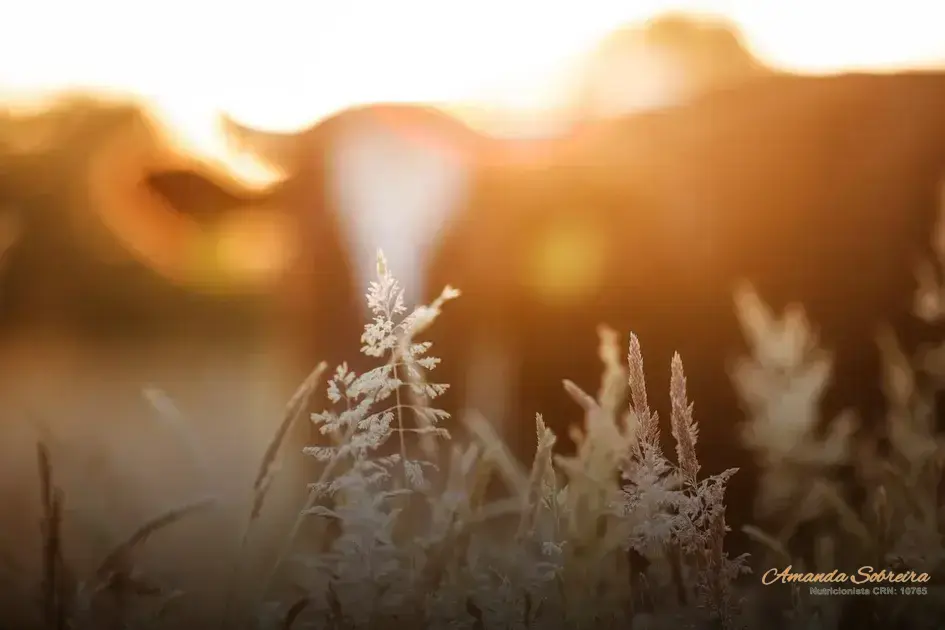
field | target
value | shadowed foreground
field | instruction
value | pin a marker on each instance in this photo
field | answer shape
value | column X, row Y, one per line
column 137, row 359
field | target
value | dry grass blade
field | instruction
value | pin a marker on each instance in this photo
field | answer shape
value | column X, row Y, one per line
column 475, row 612
column 55, row 583
column 313, row 494
column 527, row 612
column 294, row 611
column 45, row 476
column 849, row 520
column 166, row 604
column 582, row 398
column 767, row 540
column 295, row 409
column 120, row 557
column 496, row 450
column 171, row 417
column 334, row 604
column 908, row 493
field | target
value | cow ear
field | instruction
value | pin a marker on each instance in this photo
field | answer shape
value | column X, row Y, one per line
column 184, row 217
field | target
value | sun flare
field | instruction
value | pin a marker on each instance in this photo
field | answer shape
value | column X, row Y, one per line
column 288, row 63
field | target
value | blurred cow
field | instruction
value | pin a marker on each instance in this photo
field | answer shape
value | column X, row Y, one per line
column 383, row 176
column 818, row 190
column 398, row 176
column 665, row 61
column 138, row 341
column 395, row 176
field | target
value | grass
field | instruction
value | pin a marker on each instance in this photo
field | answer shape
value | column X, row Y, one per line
column 617, row 535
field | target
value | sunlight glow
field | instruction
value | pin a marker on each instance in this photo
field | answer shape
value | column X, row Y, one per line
column 284, row 64
column 566, row 263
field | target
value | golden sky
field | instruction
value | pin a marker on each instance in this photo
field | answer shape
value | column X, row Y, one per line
column 280, row 64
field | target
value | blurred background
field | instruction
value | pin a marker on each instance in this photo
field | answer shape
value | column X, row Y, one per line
column 285, row 64
column 107, row 193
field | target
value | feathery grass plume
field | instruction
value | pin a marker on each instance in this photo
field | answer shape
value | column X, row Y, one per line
column 916, row 453
column 541, row 481
column 913, row 517
column 650, row 510
column 903, row 515
column 781, row 384
column 593, row 528
column 684, row 428
column 367, row 573
column 563, row 562
column 647, row 419
column 900, row 525
column 906, row 523
column 650, row 483
column 703, row 531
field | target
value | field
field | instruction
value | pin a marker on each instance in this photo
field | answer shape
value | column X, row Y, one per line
column 618, row 535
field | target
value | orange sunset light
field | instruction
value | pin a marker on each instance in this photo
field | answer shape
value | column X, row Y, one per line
column 283, row 64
